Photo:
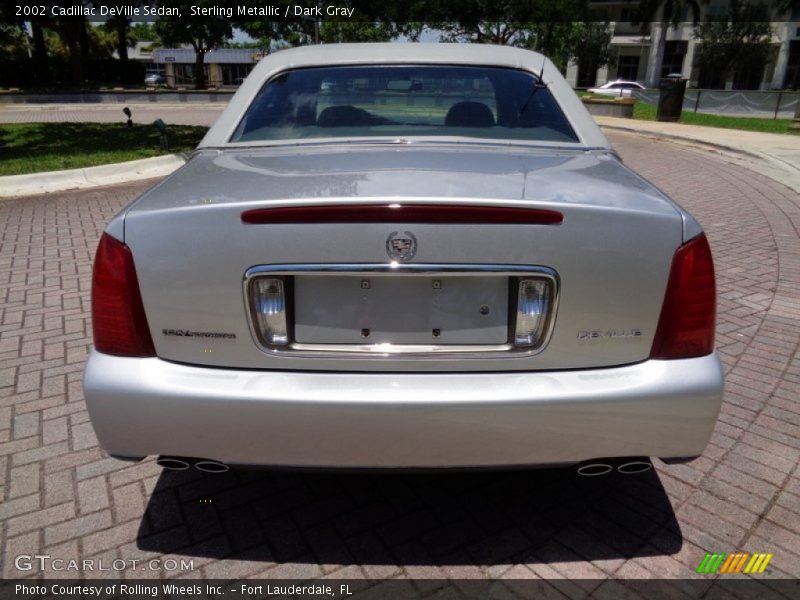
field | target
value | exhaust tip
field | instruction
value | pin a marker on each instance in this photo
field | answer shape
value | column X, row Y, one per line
column 594, row 469
column 172, row 463
column 211, row 466
column 633, row 467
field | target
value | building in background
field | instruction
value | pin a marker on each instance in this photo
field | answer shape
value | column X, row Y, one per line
column 225, row 67
column 637, row 56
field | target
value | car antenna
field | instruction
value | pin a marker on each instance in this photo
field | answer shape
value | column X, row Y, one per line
column 537, row 86
column 541, row 82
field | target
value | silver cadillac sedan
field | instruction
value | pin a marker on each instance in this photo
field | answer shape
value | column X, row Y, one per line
column 404, row 256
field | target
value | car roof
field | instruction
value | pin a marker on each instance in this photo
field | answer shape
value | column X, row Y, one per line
column 485, row 54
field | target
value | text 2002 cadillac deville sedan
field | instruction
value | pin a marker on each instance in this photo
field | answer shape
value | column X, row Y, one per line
column 404, row 256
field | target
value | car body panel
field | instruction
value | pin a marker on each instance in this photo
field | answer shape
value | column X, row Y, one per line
column 608, row 210
column 655, row 408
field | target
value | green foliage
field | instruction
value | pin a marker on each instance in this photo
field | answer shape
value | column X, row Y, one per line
column 739, row 43
column 669, row 11
column 506, row 22
column 593, row 49
column 24, row 73
column 144, row 32
column 372, row 26
column 648, row 112
column 13, row 40
column 36, row 147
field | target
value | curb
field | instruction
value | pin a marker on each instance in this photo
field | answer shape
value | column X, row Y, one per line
column 31, row 184
column 688, row 140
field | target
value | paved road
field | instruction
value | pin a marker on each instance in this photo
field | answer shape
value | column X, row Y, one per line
column 63, row 497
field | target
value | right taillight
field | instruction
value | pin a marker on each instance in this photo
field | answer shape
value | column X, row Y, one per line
column 118, row 319
column 534, row 300
column 688, row 315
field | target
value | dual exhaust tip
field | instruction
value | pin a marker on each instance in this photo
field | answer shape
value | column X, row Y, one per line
column 177, row 463
column 625, row 466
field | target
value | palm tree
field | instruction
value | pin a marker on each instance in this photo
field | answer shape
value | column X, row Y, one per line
column 668, row 13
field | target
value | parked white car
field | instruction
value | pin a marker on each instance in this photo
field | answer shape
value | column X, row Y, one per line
column 404, row 256
column 618, row 88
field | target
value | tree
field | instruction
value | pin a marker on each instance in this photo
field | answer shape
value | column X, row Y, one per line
column 13, row 40
column 669, row 13
column 558, row 40
column 739, row 43
column 72, row 31
column 119, row 24
column 143, row 32
column 200, row 32
column 504, row 22
column 370, row 26
column 593, row 51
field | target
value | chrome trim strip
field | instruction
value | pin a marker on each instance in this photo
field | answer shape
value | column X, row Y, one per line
column 399, row 351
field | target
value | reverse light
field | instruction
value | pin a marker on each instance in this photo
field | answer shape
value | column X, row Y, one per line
column 534, row 297
column 688, row 315
column 118, row 319
column 269, row 304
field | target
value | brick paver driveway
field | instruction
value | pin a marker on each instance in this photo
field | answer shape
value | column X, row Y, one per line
column 63, row 497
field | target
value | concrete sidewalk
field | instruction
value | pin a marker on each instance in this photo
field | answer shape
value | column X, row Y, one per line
column 774, row 155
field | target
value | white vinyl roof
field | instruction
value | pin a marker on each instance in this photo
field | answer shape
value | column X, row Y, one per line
column 323, row 55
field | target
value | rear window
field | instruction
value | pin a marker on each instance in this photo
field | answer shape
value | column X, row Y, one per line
column 404, row 101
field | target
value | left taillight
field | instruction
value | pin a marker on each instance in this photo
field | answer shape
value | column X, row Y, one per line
column 268, row 298
column 118, row 319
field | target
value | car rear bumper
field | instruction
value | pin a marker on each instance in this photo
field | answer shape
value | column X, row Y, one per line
column 148, row 406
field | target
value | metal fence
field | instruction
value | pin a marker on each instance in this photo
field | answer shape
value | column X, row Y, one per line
column 775, row 105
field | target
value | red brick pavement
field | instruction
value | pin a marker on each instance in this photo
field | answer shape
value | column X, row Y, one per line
column 61, row 496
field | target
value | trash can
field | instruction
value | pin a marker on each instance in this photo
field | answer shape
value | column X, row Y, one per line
column 670, row 98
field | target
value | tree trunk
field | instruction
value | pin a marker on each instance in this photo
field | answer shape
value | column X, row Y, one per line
column 659, row 49
column 84, row 41
column 75, row 62
column 69, row 30
column 199, row 71
column 122, row 38
column 39, row 52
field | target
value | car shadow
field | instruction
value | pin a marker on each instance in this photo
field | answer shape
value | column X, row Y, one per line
column 484, row 518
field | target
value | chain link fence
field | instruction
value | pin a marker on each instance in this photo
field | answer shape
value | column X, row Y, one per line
column 775, row 105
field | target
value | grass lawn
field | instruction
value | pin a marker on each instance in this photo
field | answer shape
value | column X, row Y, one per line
column 648, row 112
column 36, row 147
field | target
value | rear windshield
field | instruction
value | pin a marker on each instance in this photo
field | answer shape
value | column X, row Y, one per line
column 404, row 101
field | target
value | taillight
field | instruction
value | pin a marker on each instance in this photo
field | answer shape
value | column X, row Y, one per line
column 118, row 319
column 686, row 326
column 269, row 301
column 534, row 297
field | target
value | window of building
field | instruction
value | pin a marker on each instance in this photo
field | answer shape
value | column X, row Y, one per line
column 184, row 73
column 154, row 68
column 235, row 74
column 674, row 52
column 792, row 79
column 628, row 67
